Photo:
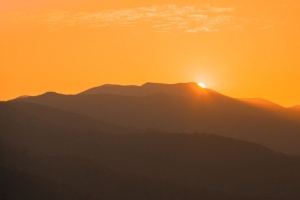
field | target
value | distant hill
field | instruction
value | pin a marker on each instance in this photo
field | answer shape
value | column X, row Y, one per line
column 141, row 165
column 183, row 89
column 23, row 96
column 262, row 103
column 186, row 108
column 296, row 108
column 57, row 117
column 43, row 128
column 272, row 108
column 146, row 89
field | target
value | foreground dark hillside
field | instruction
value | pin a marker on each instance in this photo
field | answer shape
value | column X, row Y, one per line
column 196, row 110
column 17, row 185
column 65, row 177
column 140, row 165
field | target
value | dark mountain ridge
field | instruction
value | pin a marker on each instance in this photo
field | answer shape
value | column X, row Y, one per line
column 57, row 117
column 185, row 89
column 192, row 89
column 146, row 89
column 191, row 109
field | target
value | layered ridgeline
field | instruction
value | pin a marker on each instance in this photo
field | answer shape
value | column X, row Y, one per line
column 296, row 108
column 186, row 108
column 50, row 157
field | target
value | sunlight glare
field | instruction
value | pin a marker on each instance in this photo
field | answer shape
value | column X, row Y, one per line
column 202, row 85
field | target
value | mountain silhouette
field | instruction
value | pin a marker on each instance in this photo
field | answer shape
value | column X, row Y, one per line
column 22, row 97
column 184, row 89
column 188, row 89
column 184, row 108
column 57, row 117
column 147, row 89
column 137, row 165
column 273, row 108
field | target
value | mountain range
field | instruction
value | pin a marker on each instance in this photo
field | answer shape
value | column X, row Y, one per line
column 184, row 107
column 155, row 141
column 40, row 149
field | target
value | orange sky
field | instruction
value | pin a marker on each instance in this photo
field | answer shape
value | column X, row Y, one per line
column 239, row 48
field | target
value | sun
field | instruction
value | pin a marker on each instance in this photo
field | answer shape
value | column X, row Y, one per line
column 202, row 85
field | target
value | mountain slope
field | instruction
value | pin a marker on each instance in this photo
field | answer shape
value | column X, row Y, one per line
column 99, row 182
column 44, row 128
column 20, row 185
column 273, row 108
column 139, row 166
column 60, row 118
column 262, row 103
column 186, row 89
column 296, row 108
column 201, row 111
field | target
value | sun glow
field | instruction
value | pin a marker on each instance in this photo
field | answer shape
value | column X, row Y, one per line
column 202, row 85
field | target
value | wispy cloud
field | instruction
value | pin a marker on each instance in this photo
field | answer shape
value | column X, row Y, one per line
column 168, row 18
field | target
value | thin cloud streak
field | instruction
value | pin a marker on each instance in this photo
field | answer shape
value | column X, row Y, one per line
column 160, row 18
column 167, row 18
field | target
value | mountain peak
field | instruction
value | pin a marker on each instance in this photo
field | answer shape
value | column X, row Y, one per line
column 22, row 97
column 167, row 84
column 49, row 94
column 147, row 89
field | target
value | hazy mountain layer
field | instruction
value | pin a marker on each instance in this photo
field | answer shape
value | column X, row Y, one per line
column 196, row 110
column 184, row 89
column 141, row 165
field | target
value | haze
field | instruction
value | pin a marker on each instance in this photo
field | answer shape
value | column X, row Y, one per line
column 150, row 100
column 238, row 48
